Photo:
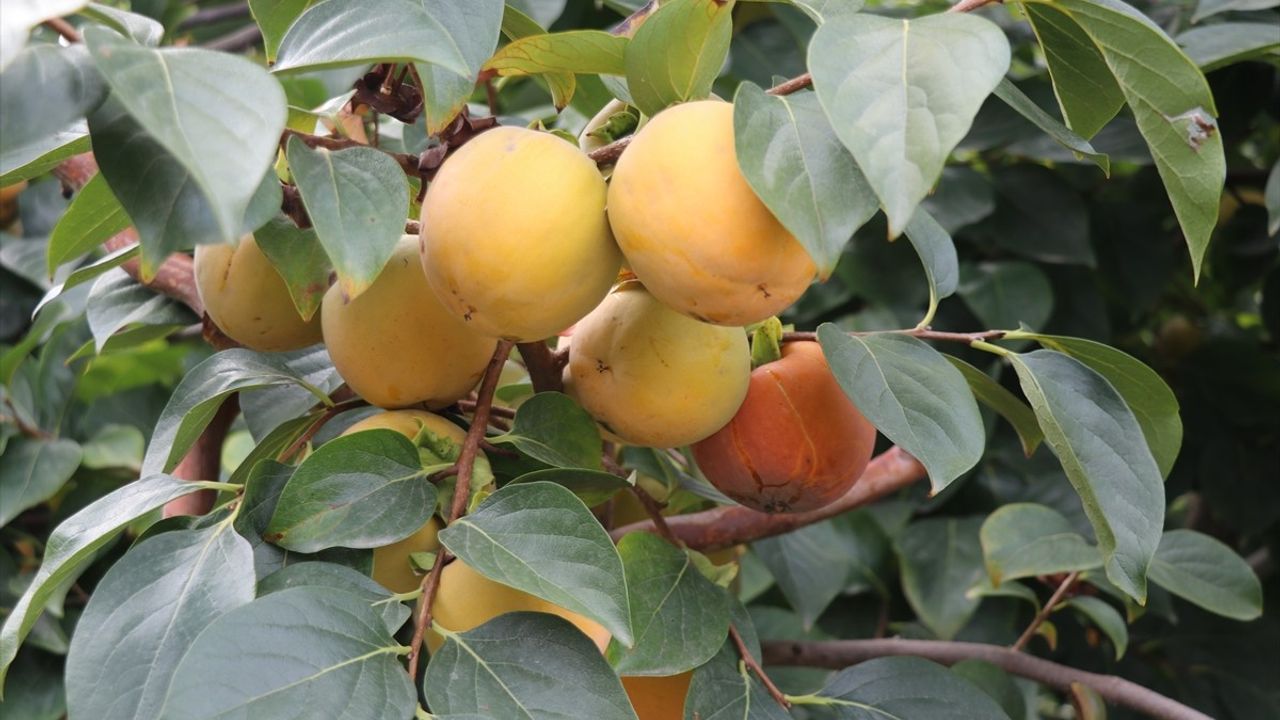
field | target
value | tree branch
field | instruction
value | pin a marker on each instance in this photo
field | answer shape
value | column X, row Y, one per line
column 461, row 492
column 840, row 654
column 63, row 28
column 408, row 163
column 922, row 333
column 725, row 527
column 544, row 372
column 204, row 462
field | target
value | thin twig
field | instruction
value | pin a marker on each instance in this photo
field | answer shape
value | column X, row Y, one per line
column 971, row 5
column 63, row 28
column 922, row 333
column 754, row 666
column 461, row 492
column 245, row 37
column 795, row 84
column 1067, row 583
column 215, row 15
column 840, row 654
column 287, row 454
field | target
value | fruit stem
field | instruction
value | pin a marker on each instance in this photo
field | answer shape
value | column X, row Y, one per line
column 754, row 666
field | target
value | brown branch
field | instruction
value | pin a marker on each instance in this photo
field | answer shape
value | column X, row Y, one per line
column 461, row 492
column 63, row 28
column 330, row 413
column 408, row 163
column 840, row 654
column 540, row 361
column 795, row 84
column 175, row 277
column 749, row 660
column 1067, row 583
column 725, row 527
column 922, row 333
column 971, row 5
column 204, row 462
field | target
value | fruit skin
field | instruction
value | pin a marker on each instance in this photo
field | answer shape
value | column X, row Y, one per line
column 514, row 236
column 391, row 567
column 658, row 698
column 396, row 345
column 655, row 377
column 248, row 300
column 466, row 599
column 796, row 444
column 691, row 227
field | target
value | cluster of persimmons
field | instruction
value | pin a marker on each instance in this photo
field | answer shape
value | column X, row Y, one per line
column 522, row 239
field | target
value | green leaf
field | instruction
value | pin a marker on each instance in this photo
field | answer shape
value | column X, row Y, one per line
column 1215, row 46
column 33, row 470
column 811, row 566
column 358, row 32
column 1209, row 8
column 21, row 16
column 793, row 160
column 912, row 395
column 234, row 107
column 1271, row 194
column 907, row 687
column 1004, row 403
column 820, row 10
column 1105, row 618
column 363, row 490
column 118, row 303
column 1205, row 572
column 898, row 99
column 551, row 427
column 1101, row 448
column 141, row 29
column 68, row 89
column 263, row 485
column 274, row 18
column 88, row 272
column 1027, row 108
column 353, row 193
column 93, row 217
column 146, row 611
column 526, row 666
column 41, row 156
column 74, row 544
column 593, row 52
column 1144, row 391
column 323, row 649
column 591, row 486
column 1025, row 540
column 1007, row 294
column 1086, row 90
column 940, row 559
column 723, row 688
column 994, row 681
column 115, row 446
column 1039, row 216
column 938, row 255
column 1172, row 104
column 540, row 538
column 679, row 617
column 299, row 258
column 677, row 53
column 475, row 26
column 37, row 690
column 340, row 577
column 201, row 393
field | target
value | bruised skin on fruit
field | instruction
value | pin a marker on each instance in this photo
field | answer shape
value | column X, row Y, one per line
column 691, row 227
column 248, row 300
column 514, row 237
column 796, row 444
column 395, row 345
column 652, row 376
column 391, row 566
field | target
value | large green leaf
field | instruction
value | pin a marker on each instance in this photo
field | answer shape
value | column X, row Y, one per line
column 1144, row 391
column 474, row 25
column 319, row 648
column 363, row 490
column 1215, row 46
column 793, row 160
column 811, row 566
column 73, row 545
column 592, row 486
column 678, row 52
column 202, row 391
column 1027, row 108
column 912, row 395
column 997, row 683
column 553, row 428
column 93, row 217
column 1009, row 406
column 906, row 688
column 33, row 470
column 142, row 29
column 118, row 303
column 299, row 258
column 1209, row 8
column 274, row 18
column 20, row 16
column 1172, row 105
column 1007, row 294
column 145, row 612
column 1086, row 91
column 175, row 96
column 941, row 558
column 524, row 666
column 724, row 689
column 357, row 200
column 1204, row 571
column 68, row 86
column 679, row 617
column 898, row 99
column 312, row 573
column 594, row 52
column 1025, row 540
column 540, row 538
column 1102, row 449
column 43, row 155
column 357, row 32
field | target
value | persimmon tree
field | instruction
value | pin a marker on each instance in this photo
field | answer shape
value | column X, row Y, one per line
column 682, row 359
